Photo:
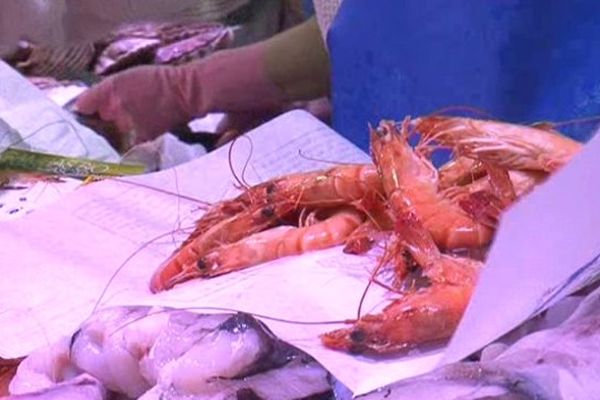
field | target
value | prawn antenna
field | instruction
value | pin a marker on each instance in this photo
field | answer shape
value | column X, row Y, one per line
column 126, row 261
column 228, row 310
column 163, row 191
column 321, row 160
column 241, row 181
column 369, row 283
column 474, row 111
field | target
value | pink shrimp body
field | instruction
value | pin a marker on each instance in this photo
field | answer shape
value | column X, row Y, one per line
column 410, row 180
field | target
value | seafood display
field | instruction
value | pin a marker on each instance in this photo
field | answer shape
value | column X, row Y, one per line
column 434, row 221
column 158, row 43
column 432, row 227
column 149, row 353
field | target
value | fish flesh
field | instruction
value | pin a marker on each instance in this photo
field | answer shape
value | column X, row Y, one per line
column 44, row 368
column 83, row 387
column 156, row 353
column 236, row 357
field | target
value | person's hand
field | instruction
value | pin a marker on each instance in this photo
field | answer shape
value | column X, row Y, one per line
column 142, row 102
column 148, row 101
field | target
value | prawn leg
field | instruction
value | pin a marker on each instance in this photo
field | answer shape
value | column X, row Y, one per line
column 459, row 172
column 379, row 220
column 487, row 205
column 502, row 186
column 362, row 239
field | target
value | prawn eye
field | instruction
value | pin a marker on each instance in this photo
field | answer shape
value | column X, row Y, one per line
column 201, row 264
column 268, row 212
column 270, row 188
column 358, row 335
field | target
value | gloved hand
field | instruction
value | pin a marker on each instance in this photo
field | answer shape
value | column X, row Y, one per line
column 150, row 100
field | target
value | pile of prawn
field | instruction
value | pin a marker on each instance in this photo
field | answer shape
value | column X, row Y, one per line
column 428, row 216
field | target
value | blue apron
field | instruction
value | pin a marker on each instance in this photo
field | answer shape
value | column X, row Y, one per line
column 519, row 61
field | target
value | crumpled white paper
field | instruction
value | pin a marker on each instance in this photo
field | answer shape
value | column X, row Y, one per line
column 42, row 125
column 164, row 152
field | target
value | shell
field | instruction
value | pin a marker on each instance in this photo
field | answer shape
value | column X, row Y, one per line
column 166, row 43
column 131, row 45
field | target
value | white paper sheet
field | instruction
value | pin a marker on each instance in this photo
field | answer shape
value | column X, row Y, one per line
column 25, row 196
column 60, row 258
column 547, row 246
column 42, row 125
